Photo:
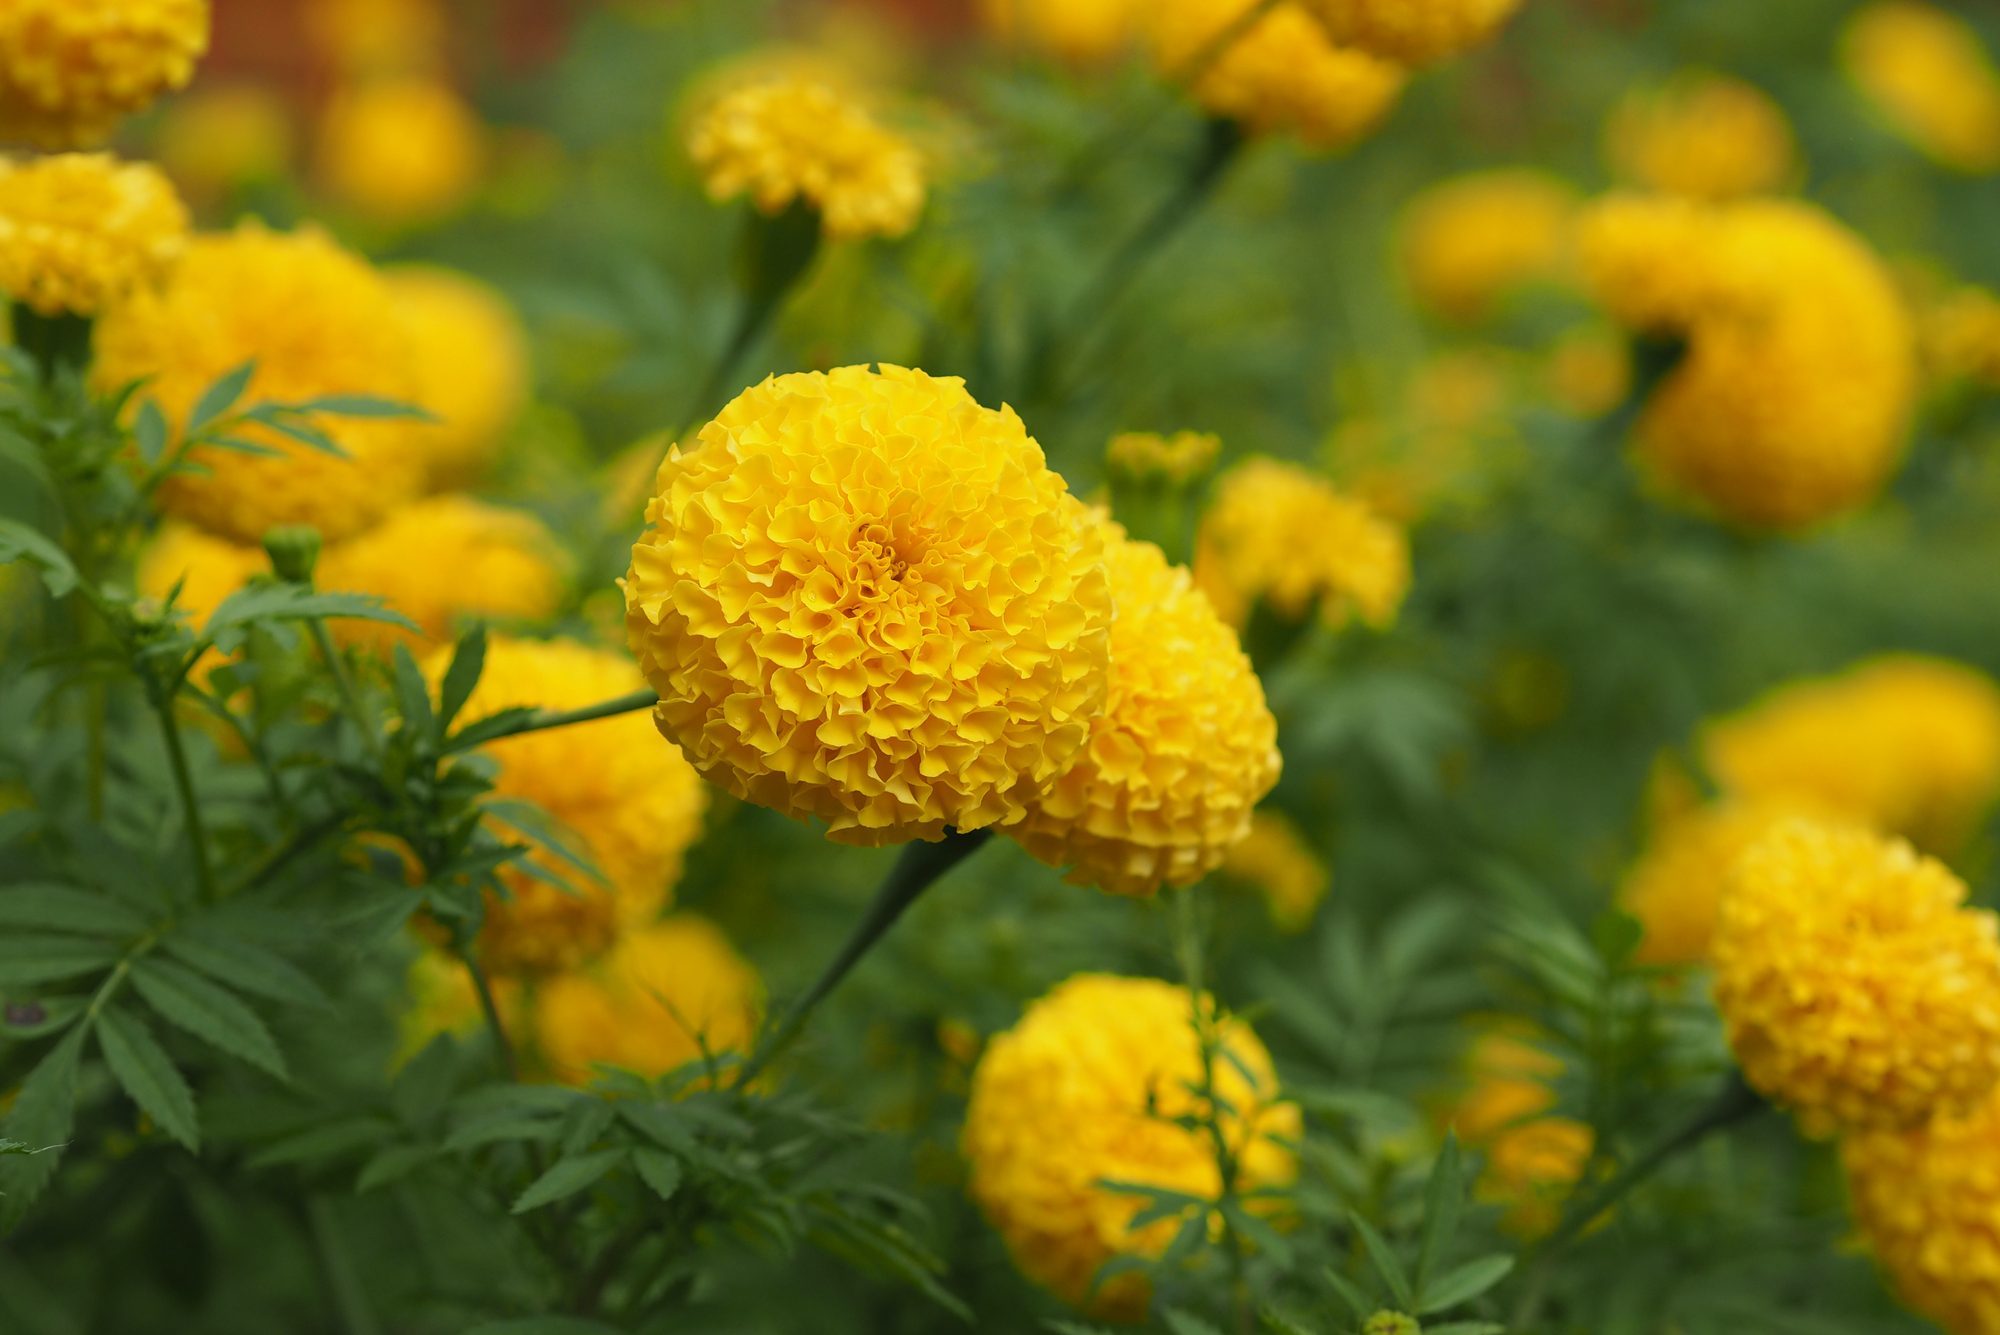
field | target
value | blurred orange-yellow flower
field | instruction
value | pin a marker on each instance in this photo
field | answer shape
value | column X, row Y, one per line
column 400, row 152
column 1275, row 860
column 1701, row 134
column 217, row 139
column 1928, row 74
column 470, row 357
column 1415, row 32
column 70, row 70
column 1470, row 241
column 1081, row 32
column 1534, row 1156
column 78, row 231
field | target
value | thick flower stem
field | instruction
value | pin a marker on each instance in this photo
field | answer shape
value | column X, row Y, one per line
column 544, row 719
column 920, row 867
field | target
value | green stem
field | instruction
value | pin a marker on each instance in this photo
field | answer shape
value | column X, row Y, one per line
column 204, row 874
column 775, row 253
column 543, row 719
column 1189, row 949
column 343, row 685
column 916, row 870
column 282, row 855
column 54, row 342
column 483, row 986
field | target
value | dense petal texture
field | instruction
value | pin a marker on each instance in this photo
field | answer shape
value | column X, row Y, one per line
column 1282, row 535
column 864, row 597
column 443, row 561
column 1414, row 32
column 1468, row 242
column 1700, row 134
column 471, row 364
column 1791, row 403
column 1928, row 1201
column 1855, row 987
column 663, row 996
column 80, row 230
column 1905, row 744
column 71, row 69
column 1280, row 76
column 1084, row 1089
column 785, row 139
column 1931, row 78
column 1675, row 887
column 315, row 320
column 1184, row 750
column 631, row 806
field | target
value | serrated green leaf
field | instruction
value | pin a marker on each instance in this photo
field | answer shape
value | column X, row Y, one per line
column 1466, row 1282
column 392, row 1165
column 1444, row 1198
column 413, row 696
column 145, row 1071
column 659, row 1170
column 43, row 1114
column 19, row 542
column 1383, row 1258
column 299, row 429
column 566, row 1177
column 362, row 405
column 64, row 908
column 329, row 1140
column 220, row 396
column 1279, row 1323
column 1350, row 1293
column 468, row 660
column 497, row 1130
column 29, row 959
column 208, row 1011
column 244, row 965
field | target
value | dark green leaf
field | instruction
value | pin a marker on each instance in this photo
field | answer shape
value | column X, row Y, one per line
column 1385, row 1262
column 543, row 1325
column 1187, row 1323
column 220, row 397
column 329, row 1140
column 1350, row 1293
column 659, row 1170
column 362, row 405
column 149, row 432
column 468, row 660
column 245, row 966
column 211, row 1013
column 1466, row 1282
column 64, row 908
column 29, row 959
column 566, row 1177
column 413, row 696
column 44, row 1111
column 144, row 1070
column 393, row 1165
column 19, row 542
column 1444, row 1198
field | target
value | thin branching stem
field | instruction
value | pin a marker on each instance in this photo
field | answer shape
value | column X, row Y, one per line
column 543, row 719
column 197, row 832
column 483, row 986
column 343, row 685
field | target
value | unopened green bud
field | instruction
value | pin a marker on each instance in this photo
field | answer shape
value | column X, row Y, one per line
column 1391, row 1323
column 294, row 551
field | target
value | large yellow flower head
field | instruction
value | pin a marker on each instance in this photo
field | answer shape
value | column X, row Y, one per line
column 71, row 69
column 1533, row 1155
column 316, row 320
column 470, row 357
column 1925, row 1199
column 1700, row 134
column 786, row 139
column 1084, row 1089
column 446, row 560
column 1280, row 76
column 1276, row 861
column 80, row 230
column 1082, row 32
column 664, row 994
column 1469, row 242
column 1184, row 750
column 864, row 597
column 1930, row 77
column 1414, row 32
column 1791, row 403
column 1855, row 987
column 1905, row 744
column 631, row 806
column 401, row 151
column 1675, row 887
column 1283, row 535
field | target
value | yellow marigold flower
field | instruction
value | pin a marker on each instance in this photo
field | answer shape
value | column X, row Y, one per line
column 1084, row 1089
column 1534, row 1156
column 1905, row 744
column 1177, row 459
column 1281, row 534
column 1469, row 242
column 70, row 70
column 400, row 151
column 1276, row 859
column 1791, row 403
column 446, row 560
column 1414, row 32
column 1854, row 986
column 470, row 357
column 1930, row 77
column 215, row 139
column 1081, row 32
column 632, row 806
column 790, row 139
column 1701, row 134
column 208, row 569
column 663, row 994
column 80, row 230
column 864, row 597
column 1675, row 887
column 316, row 320
column 1281, row 76
column 1925, row 1199
column 1184, row 750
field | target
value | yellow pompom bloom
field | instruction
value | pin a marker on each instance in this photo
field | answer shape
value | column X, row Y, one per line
column 444, row 561
column 1082, row 32
column 316, row 320
column 1925, row 1199
column 864, row 597
column 1792, row 401
column 70, row 70
column 215, row 139
column 207, row 568
column 1184, row 750
column 1675, row 887
column 660, row 997
column 1281, row 76
column 1930, row 77
column 1905, row 744
column 1854, row 986
column 1148, row 456
column 1414, row 32
column 632, row 806
column 1704, row 135
column 794, row 139
column 400, row 151
column 1083, row 1089
column 1469, row 242
column 1283, row 535
column 80, row 230
column 1534, row 1156
column 1275, row 859
column 470, row 357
